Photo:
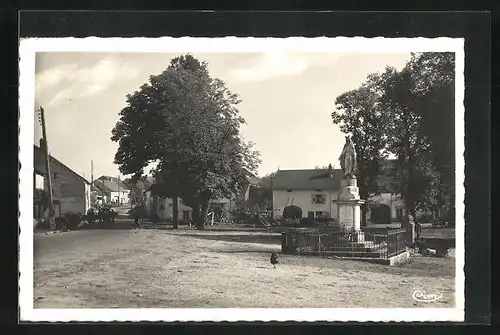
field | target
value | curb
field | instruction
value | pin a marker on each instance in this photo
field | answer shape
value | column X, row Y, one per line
column 50, row 232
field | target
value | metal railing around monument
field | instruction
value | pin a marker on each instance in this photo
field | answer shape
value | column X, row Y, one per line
column 330, row 241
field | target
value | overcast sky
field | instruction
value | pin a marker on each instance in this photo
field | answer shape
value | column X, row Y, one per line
column 287, row 101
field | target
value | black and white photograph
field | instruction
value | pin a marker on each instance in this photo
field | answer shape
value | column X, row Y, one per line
column 235, row 179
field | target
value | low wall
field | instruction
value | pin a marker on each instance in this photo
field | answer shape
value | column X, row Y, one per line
column 384, row 225
column 402, row 258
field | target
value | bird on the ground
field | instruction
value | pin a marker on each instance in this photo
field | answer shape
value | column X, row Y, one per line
column 274, row 259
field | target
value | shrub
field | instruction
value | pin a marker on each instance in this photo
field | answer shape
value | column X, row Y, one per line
column 138, row 211
column 72, row 220
column 60, row 222
column 91, row 216
column 44, row 224
column 307, row 222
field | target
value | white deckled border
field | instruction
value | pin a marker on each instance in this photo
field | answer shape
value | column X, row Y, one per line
column 27, row 52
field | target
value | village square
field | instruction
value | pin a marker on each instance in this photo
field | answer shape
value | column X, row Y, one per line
column 185, row 211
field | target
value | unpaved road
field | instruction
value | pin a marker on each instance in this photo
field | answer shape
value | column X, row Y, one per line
column 187, row 268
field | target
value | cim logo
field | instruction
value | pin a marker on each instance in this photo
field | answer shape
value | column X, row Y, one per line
column 422, row 296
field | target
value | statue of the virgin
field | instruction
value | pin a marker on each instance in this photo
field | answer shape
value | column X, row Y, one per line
column 348, row 159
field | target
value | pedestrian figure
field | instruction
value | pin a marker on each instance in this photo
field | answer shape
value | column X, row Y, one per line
column 137, row 222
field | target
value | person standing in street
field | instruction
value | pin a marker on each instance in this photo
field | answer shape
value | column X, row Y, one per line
column 137, row 219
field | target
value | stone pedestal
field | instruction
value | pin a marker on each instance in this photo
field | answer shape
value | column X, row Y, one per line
column 409, row 224
column 349, row 206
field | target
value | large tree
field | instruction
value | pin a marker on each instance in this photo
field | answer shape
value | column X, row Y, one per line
column 358, row 114
column 188, row 123
column 414, row 174
column 434, row 77
column 409, row 114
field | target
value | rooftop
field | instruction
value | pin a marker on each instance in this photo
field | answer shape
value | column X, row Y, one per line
column 313, row 179
column 39, row 165
column 112, row 184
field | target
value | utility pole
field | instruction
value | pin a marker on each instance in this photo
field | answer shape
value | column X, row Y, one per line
column 92, row 200
column 52, row 221
column 272, row 196
column 119, row 197
column 175, row 209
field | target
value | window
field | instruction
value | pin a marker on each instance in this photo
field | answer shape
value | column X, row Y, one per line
column 39, row 182
column 310, row 215
column 318, row 198
column 289, row 191
column 319, row 215
column 185, row 215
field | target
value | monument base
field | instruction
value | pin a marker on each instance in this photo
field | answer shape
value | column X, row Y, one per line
column 349, row 206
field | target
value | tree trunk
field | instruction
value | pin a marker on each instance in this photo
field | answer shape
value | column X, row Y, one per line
column 175, row 209
column 414, row 214
column 364, row 194
column 199, row 223
column 364, row 211
column 204, row 212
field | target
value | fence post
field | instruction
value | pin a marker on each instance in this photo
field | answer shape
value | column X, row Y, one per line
column 319, row 243
column 283, row 242
column 397, row 244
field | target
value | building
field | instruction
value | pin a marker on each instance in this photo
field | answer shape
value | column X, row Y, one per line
column 305, row 193
column 70, row 191
column 311, row 194
column 138, row 189
column 100, row 194
column 114, row 190
column 163, row 207
column 388, row 212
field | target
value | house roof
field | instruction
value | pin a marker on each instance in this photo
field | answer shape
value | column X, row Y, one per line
column 40, row 166
column 112, row 184
column 307, row 180
column 145, row 185
column 100, row 187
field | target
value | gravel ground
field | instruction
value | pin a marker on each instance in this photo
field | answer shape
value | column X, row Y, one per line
column 189, row 268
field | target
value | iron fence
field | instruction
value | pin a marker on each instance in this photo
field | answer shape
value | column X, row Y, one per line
column 332, row 241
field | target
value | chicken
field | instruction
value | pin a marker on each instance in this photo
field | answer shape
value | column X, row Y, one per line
column 274, row 259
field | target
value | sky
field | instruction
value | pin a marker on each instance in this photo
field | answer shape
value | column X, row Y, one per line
column 287, row 101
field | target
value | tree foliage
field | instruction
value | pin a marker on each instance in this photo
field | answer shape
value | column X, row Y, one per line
column 435, row 83
column 409, row 114
column 137, row 188
column 187, row 122
column 260, row 195
column 416, row 98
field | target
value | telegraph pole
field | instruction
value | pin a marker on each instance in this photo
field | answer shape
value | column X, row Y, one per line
column 92, row 184
column 175, row 210
column 272, row 196
column 52, row 221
